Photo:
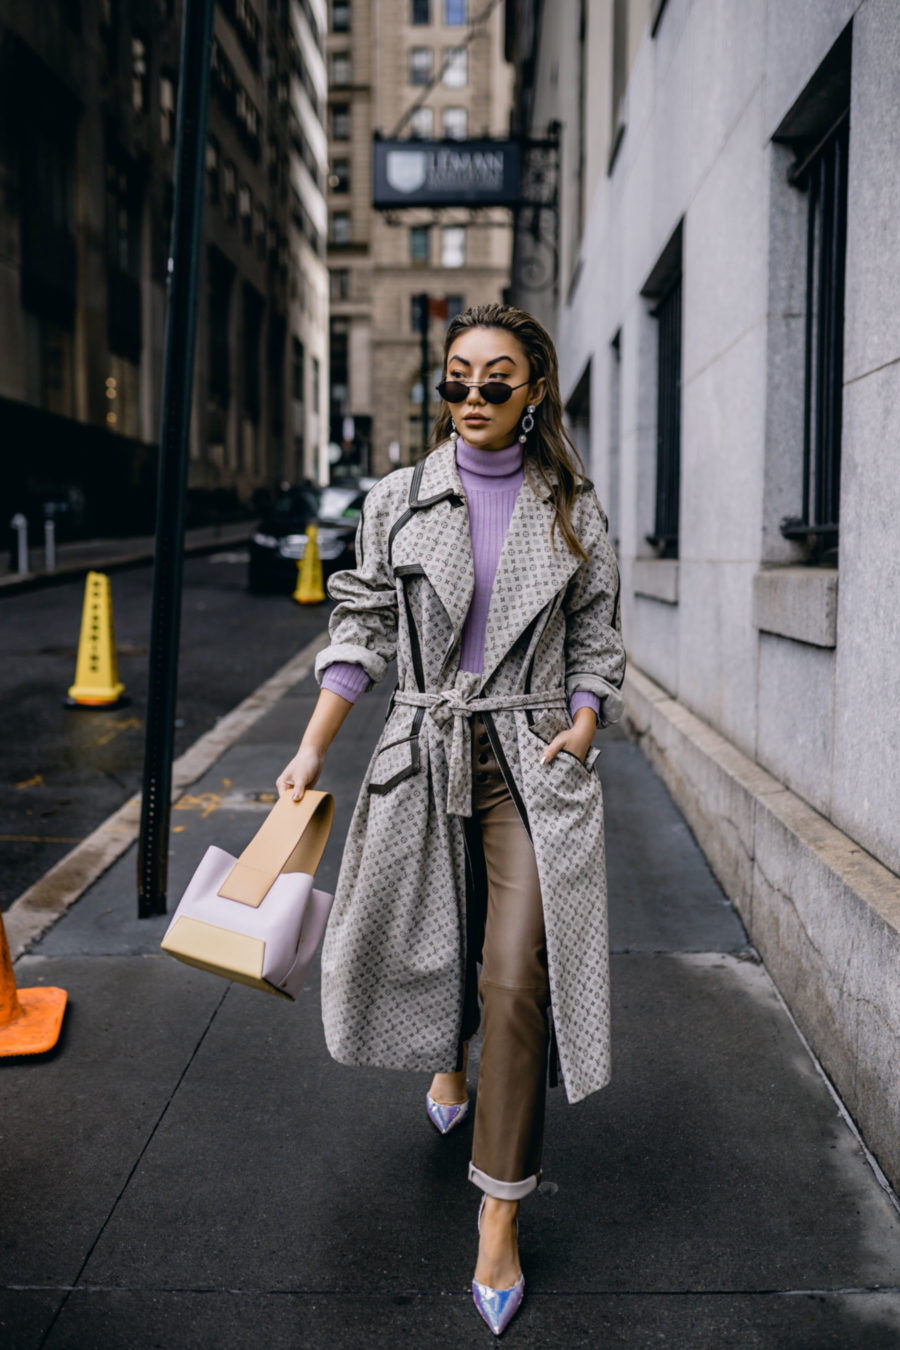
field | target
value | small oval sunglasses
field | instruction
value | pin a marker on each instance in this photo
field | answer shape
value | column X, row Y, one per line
column 457, row 391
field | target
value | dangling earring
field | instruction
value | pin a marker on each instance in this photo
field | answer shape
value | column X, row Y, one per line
column 527, row 424
column 453, row 432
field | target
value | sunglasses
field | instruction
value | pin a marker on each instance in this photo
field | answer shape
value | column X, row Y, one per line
column 457, row 391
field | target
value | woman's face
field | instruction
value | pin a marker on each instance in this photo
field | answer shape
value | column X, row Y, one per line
column 490, row 355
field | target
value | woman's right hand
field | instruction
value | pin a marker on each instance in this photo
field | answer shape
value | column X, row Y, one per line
column 302, row 772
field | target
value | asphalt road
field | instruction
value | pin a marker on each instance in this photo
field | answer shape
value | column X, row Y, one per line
column 63, row 771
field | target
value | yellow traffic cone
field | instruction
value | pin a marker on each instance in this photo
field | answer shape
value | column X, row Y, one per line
column 309, row 589
column 97, row 682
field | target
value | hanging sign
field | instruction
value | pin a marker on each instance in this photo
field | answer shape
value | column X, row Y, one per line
column 446, row 173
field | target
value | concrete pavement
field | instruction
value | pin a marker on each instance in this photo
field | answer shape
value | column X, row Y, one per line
column 190, row 1169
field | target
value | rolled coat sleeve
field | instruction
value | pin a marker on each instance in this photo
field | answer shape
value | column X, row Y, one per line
column 595, row 653
column 363, row 623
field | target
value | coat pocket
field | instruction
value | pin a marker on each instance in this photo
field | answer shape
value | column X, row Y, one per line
column 545, row 734
column 394, row 762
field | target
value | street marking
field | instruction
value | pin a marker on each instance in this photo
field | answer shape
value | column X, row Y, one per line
column 36, row 781
column 127, row 725
column 207, row 802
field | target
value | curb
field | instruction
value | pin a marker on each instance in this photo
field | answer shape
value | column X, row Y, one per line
column 15, row 583
column 38, row 908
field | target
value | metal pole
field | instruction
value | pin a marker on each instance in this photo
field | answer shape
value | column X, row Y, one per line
column 49, row 545
column 426, row 376
column 178, row 371
column 20, row 524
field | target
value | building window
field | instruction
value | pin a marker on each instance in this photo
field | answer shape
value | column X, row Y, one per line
column 420, row 62
column 453, row 246
column 298, row 358
column 455, row 12
column 340, row 16
column 339, row 178
column 167, row 110
column 229, row 191
column 663, row 288
column 220, row 283
column 340, row 283
column 247, row 115
column 419, row 239
column 420, row 11
column 260, row 230
column 212, row 168
column 246, row 210
column 456, row 67
column 822, row 174
column 340, row 227
column 455, row 123
column 421, row 124
column 248, row 30
column 139, row 75
column 668, row 421
column 340, row 68
column 253, row 315
column 340, row 122
column 455, row 305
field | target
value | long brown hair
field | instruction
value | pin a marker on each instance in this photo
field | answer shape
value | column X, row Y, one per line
column 549, row 452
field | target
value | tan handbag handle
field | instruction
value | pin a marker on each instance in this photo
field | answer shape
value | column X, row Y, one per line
column 292, row 838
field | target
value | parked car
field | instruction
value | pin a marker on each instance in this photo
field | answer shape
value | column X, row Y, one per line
column 280, row 541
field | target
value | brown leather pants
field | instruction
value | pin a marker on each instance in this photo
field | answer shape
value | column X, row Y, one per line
column 506, row 923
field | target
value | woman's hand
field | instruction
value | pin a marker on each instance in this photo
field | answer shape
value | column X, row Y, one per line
column 302, row 772
column 576, row 738
column 304, row 769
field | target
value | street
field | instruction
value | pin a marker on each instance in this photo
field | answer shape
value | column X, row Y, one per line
column 64, row 770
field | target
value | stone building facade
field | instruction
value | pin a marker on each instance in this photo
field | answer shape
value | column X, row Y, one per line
column 383, row 56
column 89, row 91
column 729, row 342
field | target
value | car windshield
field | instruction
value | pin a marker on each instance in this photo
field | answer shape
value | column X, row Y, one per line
column 337, row 503
column 302, row 502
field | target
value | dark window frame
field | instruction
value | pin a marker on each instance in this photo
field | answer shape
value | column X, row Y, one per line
column 664, row 288
column 817, row 130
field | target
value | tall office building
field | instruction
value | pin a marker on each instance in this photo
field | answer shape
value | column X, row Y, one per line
column 433, row 69
column 87, row 132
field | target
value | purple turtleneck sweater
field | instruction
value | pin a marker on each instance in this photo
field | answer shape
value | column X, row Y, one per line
column 491, row 480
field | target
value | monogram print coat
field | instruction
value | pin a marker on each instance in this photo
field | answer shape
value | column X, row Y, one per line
column 393, row 959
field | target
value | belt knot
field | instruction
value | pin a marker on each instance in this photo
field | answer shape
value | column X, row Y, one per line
column 447, row 706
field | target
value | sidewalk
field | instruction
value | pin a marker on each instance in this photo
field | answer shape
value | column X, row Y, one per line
column 106, row 555
column 190, row 1169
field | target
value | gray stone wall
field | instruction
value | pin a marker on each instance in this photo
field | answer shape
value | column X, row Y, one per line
column 772, row 698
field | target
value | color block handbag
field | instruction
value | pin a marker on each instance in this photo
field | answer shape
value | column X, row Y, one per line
column 257, row 918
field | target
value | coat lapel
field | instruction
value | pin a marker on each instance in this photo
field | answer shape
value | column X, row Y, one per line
column 442, row 536
column 530, row 572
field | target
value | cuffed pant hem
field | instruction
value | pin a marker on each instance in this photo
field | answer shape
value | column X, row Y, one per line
column 502, row 1190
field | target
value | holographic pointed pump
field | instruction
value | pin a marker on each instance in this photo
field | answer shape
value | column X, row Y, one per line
column 445, row 1116
column 497, row 1306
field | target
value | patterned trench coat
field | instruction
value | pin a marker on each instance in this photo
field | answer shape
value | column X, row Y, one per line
column 394, row 958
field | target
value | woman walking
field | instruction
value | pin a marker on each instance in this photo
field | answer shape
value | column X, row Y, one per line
column 478, row 834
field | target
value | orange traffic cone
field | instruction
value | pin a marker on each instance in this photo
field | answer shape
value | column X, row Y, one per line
column 30, row 1019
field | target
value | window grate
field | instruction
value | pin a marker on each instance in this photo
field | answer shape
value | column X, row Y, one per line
column 823, row 175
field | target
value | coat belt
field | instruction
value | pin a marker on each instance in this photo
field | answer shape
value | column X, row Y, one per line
column 452, row 705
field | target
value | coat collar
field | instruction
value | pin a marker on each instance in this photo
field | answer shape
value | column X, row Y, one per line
column 530, row 572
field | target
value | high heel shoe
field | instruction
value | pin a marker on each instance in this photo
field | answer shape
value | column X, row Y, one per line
column 497, row 1306
column 445, row 1116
